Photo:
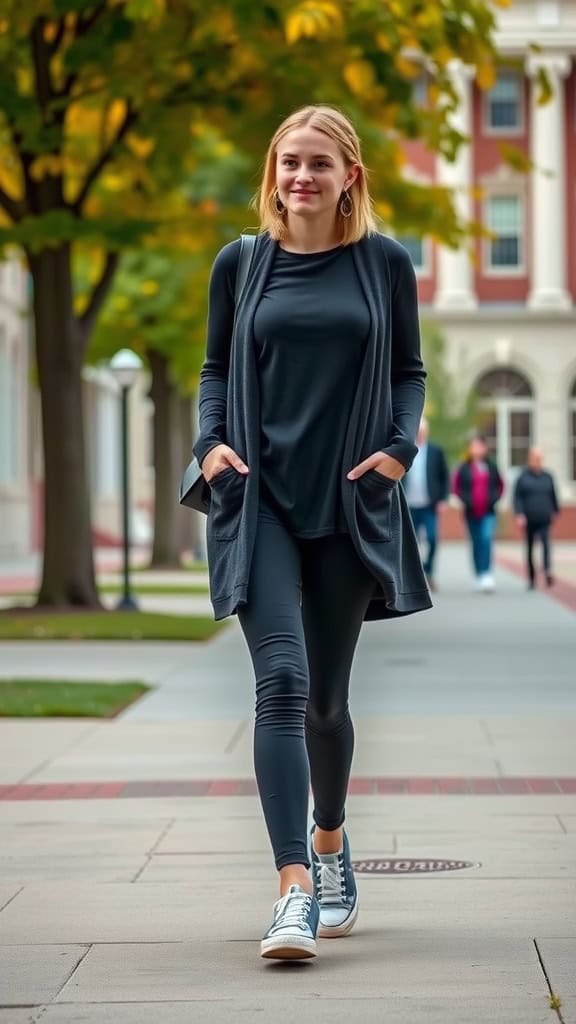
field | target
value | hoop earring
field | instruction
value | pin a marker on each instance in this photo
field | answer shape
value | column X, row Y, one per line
column 346, row 205
column 278, row 204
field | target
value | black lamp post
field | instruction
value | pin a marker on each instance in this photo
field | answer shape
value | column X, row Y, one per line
column 126, row 366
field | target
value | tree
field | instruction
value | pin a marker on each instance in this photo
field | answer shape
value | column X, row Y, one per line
column 99, row 99
column 450, row 411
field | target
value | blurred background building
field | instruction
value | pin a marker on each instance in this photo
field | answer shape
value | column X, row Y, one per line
column 509, row 314
column 507, row 309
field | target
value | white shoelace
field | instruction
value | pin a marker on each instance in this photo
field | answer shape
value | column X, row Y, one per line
column 293, row 909
column 331, row 881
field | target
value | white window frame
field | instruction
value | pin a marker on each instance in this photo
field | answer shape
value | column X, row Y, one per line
column 487, row 267
column 506, row 131
column 504, row 406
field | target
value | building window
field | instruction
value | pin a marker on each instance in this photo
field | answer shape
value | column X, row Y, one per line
column 572, row 431
column 503, row 104
column 504, row 221
column 506, row 417
column 415, row 247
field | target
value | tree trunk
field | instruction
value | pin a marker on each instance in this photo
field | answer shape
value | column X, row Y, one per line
column 166, row 545
column 68, row 566
column 191, row 522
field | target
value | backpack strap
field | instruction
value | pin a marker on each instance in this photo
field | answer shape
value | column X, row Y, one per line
column 247, row 247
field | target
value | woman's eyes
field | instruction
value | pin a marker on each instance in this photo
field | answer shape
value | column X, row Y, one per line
column 287, row 162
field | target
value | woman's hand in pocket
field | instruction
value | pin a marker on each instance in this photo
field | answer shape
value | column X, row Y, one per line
column 220, row 458
column 382, row 463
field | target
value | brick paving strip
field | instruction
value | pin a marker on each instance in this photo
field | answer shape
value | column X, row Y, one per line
column 562, row 591
column 368, row 786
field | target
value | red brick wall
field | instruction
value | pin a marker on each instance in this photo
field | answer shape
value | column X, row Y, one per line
column 452, row 525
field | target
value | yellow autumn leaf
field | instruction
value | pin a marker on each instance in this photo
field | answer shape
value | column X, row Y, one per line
column 443, row 55
column 115, row 115
column 150, row 287
column 407, row 68
column 113, row 182
column 50, row 31
column 140, row 147
column 383, row 42
column 359, row 77
column 486, row 75
column 313, row 19
column 49, row 164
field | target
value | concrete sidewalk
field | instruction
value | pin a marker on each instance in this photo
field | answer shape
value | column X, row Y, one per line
column 136, row 877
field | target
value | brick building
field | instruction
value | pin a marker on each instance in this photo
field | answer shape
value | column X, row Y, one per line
column 508, row 314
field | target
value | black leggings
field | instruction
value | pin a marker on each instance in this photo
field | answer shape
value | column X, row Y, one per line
column 306, row 604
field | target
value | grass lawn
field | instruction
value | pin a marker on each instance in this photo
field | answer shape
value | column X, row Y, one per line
column 156, row 588
column 31, row 625
column 186, row 567
column 39, row 698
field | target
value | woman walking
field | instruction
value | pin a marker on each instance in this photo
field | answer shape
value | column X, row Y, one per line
column 479, row 486
column 310, row 399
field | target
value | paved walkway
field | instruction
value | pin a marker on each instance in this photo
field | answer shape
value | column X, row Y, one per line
column 135, row 874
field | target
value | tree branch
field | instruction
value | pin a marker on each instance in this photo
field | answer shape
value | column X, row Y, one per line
column 88, row 318
column 13, row 207
column 104, row 158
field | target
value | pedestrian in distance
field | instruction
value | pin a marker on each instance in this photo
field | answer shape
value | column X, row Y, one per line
column 478, row 484
column 310, row 398
column 427, row 486
column 536, row 506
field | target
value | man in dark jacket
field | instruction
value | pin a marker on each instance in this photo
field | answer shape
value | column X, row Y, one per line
column 535, row 505
column 427, row 485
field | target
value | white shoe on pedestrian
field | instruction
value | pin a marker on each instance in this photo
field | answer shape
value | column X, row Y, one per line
column 487, row 584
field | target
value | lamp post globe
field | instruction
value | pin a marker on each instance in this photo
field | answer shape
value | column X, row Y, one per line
column 126, row 366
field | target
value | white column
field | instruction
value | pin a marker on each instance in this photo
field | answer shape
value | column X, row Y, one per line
column 548, row 181
column 455, row 274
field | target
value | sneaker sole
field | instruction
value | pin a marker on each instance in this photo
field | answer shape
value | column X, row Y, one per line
column 340, row 930
column 288, row 949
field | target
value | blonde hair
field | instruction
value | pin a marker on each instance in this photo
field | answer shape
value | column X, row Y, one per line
column 338, row 128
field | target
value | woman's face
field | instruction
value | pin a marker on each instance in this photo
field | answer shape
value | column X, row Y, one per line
column 311, row 172
column 478, row 449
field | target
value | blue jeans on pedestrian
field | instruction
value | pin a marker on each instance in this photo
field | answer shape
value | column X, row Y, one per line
column 426, row 519
column 481, row 535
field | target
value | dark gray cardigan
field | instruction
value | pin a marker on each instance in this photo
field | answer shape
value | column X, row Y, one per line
column 385, row 416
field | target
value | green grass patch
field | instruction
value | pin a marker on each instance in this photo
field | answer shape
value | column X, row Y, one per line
column 39, row 698
column 31, row 625
column 156, row 588
column 186, row 567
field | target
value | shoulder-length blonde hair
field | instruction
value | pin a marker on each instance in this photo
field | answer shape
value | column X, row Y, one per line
column 338, row 128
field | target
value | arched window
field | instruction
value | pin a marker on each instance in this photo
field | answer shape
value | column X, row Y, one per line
column 507, row 416
column 572, row 430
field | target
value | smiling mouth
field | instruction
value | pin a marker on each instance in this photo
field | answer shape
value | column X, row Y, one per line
column 302, row 192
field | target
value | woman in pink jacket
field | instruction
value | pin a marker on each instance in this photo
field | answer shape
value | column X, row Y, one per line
column 479, row 486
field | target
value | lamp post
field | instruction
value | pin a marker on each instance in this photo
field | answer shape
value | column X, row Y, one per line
column 126, row 366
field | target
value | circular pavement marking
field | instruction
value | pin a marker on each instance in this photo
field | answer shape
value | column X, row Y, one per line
column 409, row 866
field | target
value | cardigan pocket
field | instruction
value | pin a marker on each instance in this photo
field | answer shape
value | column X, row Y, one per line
column 226, row 499
column 374, row 498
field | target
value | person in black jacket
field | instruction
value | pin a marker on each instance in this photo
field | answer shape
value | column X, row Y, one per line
column 310, row 398
column 536, row 505
column 427, row 485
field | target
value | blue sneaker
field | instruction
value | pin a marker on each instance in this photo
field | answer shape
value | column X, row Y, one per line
column 335, row 889
column 292, row 935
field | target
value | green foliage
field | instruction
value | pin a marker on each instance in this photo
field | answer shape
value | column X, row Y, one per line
column 39, row 698
column 450, row 411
